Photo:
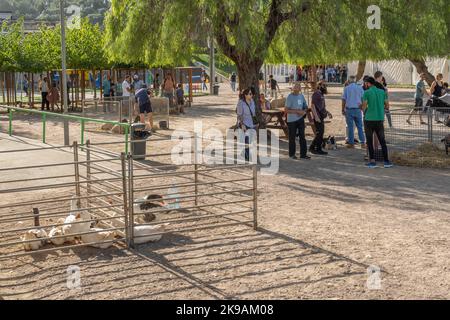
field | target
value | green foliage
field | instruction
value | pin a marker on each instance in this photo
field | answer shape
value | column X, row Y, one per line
column 163, row 32
column 41, row 51
column 85, row 47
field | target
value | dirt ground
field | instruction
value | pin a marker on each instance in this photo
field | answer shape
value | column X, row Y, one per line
column 323, row 223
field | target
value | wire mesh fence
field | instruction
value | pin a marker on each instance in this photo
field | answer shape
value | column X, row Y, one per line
column 412, row 128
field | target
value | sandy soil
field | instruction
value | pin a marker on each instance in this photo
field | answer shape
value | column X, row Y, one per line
column 322, row 224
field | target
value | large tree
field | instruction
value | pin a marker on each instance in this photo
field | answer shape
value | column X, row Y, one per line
column 251, row 32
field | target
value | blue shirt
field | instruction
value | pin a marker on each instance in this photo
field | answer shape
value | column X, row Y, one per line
column 420, row 86
column 106, row 87
column 353, row 94
column 296, row 102
column 141, row 96
column 243, row 111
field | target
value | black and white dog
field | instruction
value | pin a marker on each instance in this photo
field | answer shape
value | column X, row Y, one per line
column 329, row 143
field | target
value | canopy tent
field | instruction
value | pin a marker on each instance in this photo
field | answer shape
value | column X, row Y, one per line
column 403, row 71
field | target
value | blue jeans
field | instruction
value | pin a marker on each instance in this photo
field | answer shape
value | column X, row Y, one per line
column 352, row 117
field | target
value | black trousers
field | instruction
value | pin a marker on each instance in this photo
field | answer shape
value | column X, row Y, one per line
column 297, row 128
column 318, row 139
column 371, row 128
column 45, row 101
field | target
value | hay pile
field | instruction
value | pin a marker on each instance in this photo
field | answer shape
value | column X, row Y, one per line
column 427, row 155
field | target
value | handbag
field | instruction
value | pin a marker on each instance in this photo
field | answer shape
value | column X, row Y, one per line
column 254, row 118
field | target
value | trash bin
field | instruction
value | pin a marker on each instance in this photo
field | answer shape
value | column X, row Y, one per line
column 216, row 89
column 139, row 138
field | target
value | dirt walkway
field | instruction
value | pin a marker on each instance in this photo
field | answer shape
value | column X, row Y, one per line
column 323, row 223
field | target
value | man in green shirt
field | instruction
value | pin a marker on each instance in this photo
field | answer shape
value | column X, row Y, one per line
column 375, row 102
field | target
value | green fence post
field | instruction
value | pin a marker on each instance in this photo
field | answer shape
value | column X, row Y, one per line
column 82, row 132
column 44, row 125
column 10, row 122
column 126, row 138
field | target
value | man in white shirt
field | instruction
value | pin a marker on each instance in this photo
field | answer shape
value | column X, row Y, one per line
column 126, row 87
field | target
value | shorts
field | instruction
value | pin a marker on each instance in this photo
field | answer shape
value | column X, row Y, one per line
column 145, row 108
column 419, row 103
column 180, row 101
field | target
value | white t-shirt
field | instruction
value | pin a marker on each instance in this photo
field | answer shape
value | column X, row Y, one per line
column 44, row 86
column 125, row 86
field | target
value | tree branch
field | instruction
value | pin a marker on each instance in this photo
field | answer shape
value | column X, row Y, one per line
column 221, row 33
column 276, row 18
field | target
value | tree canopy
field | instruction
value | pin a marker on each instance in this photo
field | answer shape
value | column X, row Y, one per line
column 251, row 32
column 41, row 51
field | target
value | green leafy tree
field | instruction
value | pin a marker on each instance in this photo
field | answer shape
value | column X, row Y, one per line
column 251, row 32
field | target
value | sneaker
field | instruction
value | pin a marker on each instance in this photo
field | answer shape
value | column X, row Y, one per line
column 321, row 153
column 363, row 146
column 371, row 165
column 313, row 151
column 350, row 146
column 293, row 158
column 306, row 158
column 388, row 164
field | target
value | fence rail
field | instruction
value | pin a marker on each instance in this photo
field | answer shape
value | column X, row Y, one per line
column 412, row 127
column 108, row 190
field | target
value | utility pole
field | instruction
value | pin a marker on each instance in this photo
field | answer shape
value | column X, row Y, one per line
column 64, row 72
column 212, row 65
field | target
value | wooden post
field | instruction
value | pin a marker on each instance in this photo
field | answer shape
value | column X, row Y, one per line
column 101, row 84
column 190, row 86
column 61, row 91
column 36, row 217
column 32, row 90
column 3, row 87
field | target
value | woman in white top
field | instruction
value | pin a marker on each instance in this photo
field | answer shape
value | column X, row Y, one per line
column 44, row 86
column 246, row 118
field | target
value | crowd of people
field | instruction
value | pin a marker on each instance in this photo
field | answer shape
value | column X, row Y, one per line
column 364, row 105
column 329, row 73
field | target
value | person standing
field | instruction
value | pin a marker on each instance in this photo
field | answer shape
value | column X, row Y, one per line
column 233, row 80
column 126, row 92
column 420, row 93
column 274, row 87
column 296, row 108
column 44, row 87
column 168, row 88
column 437, row 90
column 381, row 84
column 25, row 84
column 351, row 109
column 142, row 99
column 246, row 117
column 156, row 84
column 107, row 92
column 137, row 82
column 180, row 98
column 203, row 78
column 53, row 96
column 320, row 113
column 375, row 102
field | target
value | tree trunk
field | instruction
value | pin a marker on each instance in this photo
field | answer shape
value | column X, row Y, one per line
column 422, row 68
column 361, row 68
